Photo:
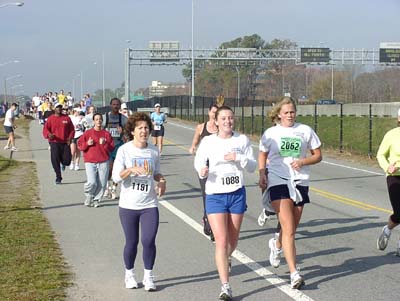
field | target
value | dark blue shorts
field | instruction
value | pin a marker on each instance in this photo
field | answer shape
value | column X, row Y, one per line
column 113, row 154
column 280, row 192
column 8, row 129
column 232, row 202
column 158, row 133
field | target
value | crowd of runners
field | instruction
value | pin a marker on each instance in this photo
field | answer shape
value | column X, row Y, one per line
column 116, row 151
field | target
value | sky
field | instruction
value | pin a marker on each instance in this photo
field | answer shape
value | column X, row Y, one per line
column 57, row 41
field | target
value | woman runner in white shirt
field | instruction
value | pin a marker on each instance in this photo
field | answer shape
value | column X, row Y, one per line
column 222, row 158
column 285, row 146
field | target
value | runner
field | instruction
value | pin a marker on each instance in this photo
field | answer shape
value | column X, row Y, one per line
column 114, row 122
column 77, row 119
column 158, row 119
column 59, row 130
column 96, row 145
column 137, row 167
column 388, row 158
column 203, row 130
column 9, row 127
column 222, row 158
column 285, row 146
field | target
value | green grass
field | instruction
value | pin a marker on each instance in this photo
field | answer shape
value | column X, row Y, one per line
column 31, row 262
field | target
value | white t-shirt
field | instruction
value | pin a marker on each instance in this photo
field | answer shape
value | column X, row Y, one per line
column 137, row 192
column 36, row 101
column 284, row 144
column 225, row 176
column 8, row 118
column 78, row 124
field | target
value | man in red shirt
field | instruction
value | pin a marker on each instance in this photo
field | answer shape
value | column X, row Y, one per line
column 59, row 130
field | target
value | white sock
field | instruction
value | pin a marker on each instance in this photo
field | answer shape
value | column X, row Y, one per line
column 129, row 272
column 148, row 273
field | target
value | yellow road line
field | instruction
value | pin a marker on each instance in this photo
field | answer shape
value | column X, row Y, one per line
column 348, row 201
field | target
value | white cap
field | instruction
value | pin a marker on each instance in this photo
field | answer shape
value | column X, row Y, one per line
column 157, row 105
column 57, row 104
column 124, row 106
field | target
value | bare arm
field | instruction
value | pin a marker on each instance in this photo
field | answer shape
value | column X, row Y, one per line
column 196, row 139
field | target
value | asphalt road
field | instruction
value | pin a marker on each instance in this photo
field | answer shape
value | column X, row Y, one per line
column 336, row 240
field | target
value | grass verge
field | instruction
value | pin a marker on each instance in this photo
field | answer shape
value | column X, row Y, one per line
column 31, row 263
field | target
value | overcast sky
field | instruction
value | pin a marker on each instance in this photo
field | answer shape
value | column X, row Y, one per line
column 55, row 40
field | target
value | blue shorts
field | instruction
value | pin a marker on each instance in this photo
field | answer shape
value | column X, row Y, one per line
column 232, row 202
column 280, row 192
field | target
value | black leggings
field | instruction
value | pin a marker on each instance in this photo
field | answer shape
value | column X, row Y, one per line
column 148, row 219
column 393, row 185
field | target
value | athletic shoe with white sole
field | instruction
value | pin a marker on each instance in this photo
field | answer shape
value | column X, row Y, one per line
column 148, row 281
column 130, row 281
column 296, row 280
column 263, row 218
column 383, row 239
column 226, row 292
column 275, row 253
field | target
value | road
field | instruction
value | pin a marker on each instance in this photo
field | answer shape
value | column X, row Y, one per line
column 336, row 240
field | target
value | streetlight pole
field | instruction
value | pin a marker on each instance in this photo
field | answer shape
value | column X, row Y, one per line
column 332, row 82
column 104, row 91
column 12, row 4
column 238, row 85
column 5, row 85
column 192, row 97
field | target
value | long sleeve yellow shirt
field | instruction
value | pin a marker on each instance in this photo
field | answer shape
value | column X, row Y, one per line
column 389, row 151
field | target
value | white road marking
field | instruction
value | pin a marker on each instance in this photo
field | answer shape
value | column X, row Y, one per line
column 243, row 258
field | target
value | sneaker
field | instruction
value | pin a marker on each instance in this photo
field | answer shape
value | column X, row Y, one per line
column 130, row 281
column 62, row 167
column 263, row 218
column 88, row 201
column 275, row 254
column 77, row 167
column 296, row 280
column 71, row 166
column 226, row 292
column 106, row 193
column 6, row 147
column 114, row 193
column 14, row 149
column 148, row 282
column 58, row 182
column 383, row 240
column 96, row 204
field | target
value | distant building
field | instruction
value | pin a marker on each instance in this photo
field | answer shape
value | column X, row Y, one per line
column 158, row 89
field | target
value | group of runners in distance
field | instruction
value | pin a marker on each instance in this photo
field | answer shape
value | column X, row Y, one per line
column 116, row 151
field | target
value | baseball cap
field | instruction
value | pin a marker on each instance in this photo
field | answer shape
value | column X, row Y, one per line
column 157, row 105
column 124, row 106
column 57, row 104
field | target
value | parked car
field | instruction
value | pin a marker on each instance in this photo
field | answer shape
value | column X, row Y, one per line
column 326, row 102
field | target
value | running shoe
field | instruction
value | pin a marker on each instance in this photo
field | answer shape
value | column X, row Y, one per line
column 96, row 204
column 130, row 281
column 226, row 292
column 383, row 240
column 114, row 192
column 77, row 167
column 58, row 182
column 106, row 193
column 296, row 281
column 62, row 167
column 88, row 201
column 263, row 218
column 275, row 253
column 71, row 166
column 14, row 149
column 148, row 282
column 6, row 147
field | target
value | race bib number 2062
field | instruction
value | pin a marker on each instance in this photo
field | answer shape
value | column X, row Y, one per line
column 290, row 147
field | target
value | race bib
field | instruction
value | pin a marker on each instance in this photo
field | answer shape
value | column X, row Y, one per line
column 230, row 180
column 114, row 132
column 157, row 127
column 141, row 185
column 290, row 147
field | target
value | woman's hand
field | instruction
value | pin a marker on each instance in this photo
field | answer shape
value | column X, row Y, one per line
column 297, row 164
column 204, row 172
column 392, row 168
column 162, row 185
column 263, row 182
